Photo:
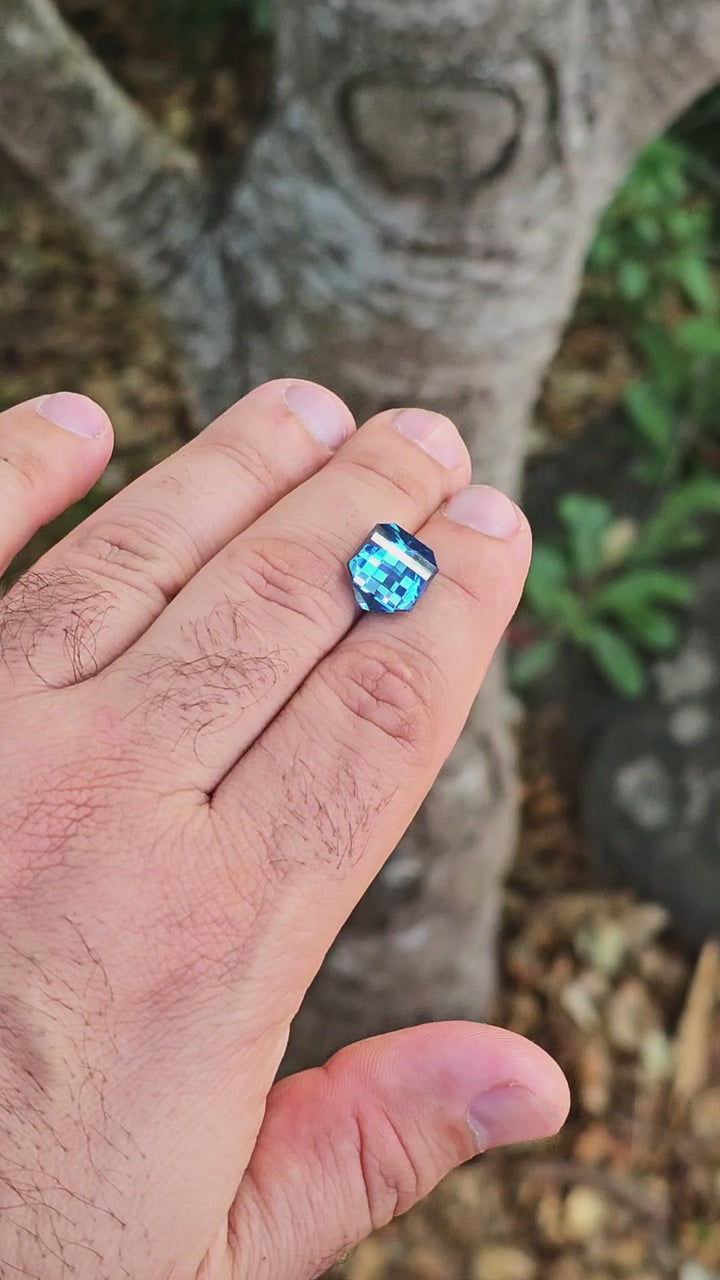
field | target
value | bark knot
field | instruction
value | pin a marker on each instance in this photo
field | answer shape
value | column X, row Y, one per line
column 429, row 137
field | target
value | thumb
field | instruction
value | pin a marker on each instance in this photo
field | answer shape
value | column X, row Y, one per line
column 348, row 1146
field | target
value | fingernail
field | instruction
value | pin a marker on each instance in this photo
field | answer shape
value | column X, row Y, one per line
column 325, row 417
column 485, row 509
column 510, row 1113
column 75, row 413
column 437, row 435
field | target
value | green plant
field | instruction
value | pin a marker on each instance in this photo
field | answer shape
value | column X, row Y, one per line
column 605, row 585
column 650, row 271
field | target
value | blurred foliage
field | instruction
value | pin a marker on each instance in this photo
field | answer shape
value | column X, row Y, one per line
column 190, row 20
column 604, row 583
column 607, row 587
column 650, row 271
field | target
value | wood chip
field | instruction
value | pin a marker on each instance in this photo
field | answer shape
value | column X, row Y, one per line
column 692, row 1045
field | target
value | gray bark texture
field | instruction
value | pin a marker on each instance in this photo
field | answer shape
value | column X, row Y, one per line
column 409, row 228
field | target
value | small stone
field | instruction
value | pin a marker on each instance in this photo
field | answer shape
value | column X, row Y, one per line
column 644, row 793
column 584, row 1214
column 548, row 1217
column 690, row 673
column 595, row 1144
column 690, row 724
column 578, row 1003
column 696, row 1271
column 604, row 945
column 630, row 1016
column 503, row 1262
column 657, row 1057
column 643, row 923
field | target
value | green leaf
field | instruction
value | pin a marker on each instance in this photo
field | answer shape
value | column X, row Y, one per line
column 617, row 661
column 690, row 538
column 648, row 229
column 706, row 395
column 586, row 520
column 641, row 587
column 685, row 226
column 534, row 662
column 654, row 630
column 633, row 280
column 555, row 605
column 649, row 469
column 669, row 368
column 262, row 15
column 570, row 616
column 603, row 252
column 651, row 414
column 673, row 523
column 549, row 572
column 694, row 275
column 699, row 336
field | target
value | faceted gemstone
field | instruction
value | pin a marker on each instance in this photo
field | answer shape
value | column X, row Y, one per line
column 391, row 570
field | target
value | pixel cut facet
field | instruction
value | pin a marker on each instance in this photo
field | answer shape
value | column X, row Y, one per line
column 391, row 571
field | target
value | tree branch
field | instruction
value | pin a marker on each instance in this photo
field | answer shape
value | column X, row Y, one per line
column 67, row 124
column 677, row 58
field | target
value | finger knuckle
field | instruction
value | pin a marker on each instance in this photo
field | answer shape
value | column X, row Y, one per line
column 392, row 1179
column 251, row 462
column 398, row 478
column 48, row 609
column 139, row 553
column 390, row 695
column 294, row 578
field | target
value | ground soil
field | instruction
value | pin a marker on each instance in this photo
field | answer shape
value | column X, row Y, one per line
column 632, row 1187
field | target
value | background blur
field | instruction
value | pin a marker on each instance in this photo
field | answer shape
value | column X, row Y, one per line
column 622, row 984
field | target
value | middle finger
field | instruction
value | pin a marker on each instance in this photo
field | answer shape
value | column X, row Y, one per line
column 227, row 654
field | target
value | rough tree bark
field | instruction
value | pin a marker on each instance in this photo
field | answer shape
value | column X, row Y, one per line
column 410, row 227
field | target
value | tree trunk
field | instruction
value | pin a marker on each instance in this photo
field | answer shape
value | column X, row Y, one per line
column 410, row 228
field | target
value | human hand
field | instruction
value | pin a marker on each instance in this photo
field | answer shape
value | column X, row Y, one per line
column 205, row 758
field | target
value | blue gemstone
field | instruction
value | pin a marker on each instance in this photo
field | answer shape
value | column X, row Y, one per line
column 391, row 571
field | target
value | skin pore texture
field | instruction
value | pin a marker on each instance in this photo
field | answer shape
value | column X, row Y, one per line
column 205, row 758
